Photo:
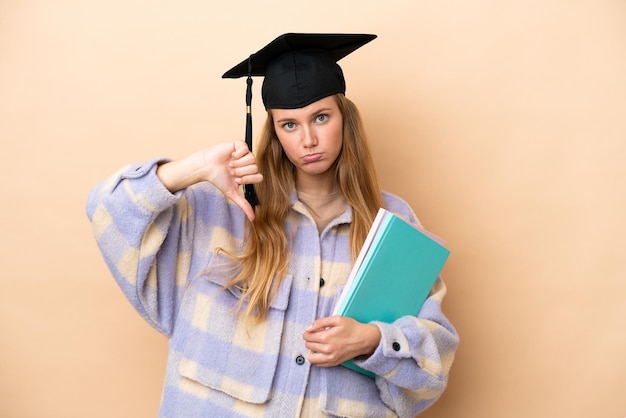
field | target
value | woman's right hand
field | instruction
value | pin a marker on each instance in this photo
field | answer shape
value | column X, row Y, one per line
column 227, row 166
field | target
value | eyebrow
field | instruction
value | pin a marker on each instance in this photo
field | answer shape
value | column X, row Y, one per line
column 317, row 112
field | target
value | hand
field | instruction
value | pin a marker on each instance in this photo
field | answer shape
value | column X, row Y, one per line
column 336, row 339
column 227, row 165
column 233, row 165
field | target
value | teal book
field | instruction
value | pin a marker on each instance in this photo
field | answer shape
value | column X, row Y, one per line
column 393, row 273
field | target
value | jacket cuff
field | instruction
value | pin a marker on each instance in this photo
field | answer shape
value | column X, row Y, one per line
column 146, row 186
column 393, row 345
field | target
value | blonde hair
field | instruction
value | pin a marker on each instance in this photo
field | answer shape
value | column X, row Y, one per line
column 263, row 262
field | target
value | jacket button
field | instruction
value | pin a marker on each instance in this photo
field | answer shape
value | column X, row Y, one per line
column 322, row 282
column 395, row 346
column 300, row 360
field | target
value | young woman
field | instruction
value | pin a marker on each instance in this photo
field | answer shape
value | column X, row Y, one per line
column 246, row 292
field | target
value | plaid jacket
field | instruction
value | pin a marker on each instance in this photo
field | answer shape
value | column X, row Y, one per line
column 161, row 249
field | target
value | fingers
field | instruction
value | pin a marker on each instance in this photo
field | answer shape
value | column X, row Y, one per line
column 322, row 324
column 323, row 354
column 324, row 360
column 322, row 330
column 243, row 166
column 242, row 169
column 248, row 168
column 240, row 149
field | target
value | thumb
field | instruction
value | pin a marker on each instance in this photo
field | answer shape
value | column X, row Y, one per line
column 243, row 204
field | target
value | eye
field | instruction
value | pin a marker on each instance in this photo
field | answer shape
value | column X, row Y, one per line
column 321, row 118
column 289, row 126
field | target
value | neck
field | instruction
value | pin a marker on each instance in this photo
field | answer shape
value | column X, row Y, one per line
column 319, row 184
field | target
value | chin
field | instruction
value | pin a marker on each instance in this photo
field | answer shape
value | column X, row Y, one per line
column 316, row 171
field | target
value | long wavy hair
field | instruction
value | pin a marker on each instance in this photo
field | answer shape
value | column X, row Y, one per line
column 262, row 264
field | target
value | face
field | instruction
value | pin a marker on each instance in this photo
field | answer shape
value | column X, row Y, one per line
column 311, row 137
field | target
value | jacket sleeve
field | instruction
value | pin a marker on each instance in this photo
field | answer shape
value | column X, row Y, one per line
column 144, row 234
column 414, row 357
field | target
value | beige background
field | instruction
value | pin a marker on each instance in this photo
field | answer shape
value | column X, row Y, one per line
column 503, row 123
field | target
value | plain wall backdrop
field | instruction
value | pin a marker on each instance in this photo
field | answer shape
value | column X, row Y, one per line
column 503, row 123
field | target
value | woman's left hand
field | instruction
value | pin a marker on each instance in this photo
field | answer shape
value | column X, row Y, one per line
column 336, row 339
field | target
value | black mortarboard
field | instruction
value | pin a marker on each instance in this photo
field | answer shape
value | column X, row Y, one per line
column 299, row 69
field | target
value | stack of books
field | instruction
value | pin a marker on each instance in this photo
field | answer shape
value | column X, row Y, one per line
column 393, row 273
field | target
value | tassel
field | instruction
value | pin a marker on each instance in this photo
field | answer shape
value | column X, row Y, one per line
column 249, row 192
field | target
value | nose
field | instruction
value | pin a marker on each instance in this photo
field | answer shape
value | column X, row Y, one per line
column 309, row 138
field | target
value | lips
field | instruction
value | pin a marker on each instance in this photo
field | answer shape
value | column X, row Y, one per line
column 311, row 158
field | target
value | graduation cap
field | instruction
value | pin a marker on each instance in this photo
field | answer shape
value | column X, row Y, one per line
column 298, row 69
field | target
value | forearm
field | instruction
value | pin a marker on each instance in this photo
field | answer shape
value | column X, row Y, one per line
column 179, row 174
